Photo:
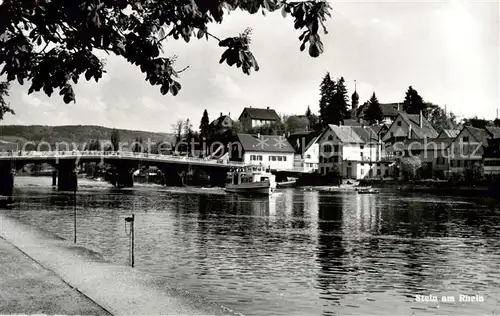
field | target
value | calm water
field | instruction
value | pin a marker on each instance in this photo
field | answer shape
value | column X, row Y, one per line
column 296, row 253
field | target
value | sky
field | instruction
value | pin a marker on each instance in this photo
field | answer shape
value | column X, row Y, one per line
column 449, row 51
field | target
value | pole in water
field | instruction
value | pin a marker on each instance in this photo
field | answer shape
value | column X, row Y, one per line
column 74, row 214
column 131, row 221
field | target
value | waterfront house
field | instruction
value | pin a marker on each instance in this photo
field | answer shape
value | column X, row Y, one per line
column 267, row 150
column 467, row 148
column 491, row 157
column 306, row 150
column 355, row 150
column 409, row 126
column 253, row 117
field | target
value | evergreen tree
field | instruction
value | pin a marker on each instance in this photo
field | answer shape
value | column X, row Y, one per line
column 413, row 103
column 327, row 92
column 137, row 145
column 204, row 125
column 4, row 106
column 313, row 119
column 115, row 139
column 373, row 113
column 340, row 109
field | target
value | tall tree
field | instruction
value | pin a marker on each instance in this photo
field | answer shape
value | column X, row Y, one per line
column 439, row 118
column 177, row 129
column 477, row 122
column 204, row 125
column 327, row 93
column 313, row 119
column 115, row 139
column 4, row 106
column 373, row 113
column 36, row 35
column 340, row 109
column 296, row 123
column 138, row 145
column 413, row 102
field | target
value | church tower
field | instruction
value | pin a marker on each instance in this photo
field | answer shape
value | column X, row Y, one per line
column 355, row 102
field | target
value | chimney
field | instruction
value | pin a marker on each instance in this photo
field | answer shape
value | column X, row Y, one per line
column 258, row 135
column 220, row 113
column 409, row 132
column 421, row 119
column 229, row 114
column 398, row 107
column 268, row 108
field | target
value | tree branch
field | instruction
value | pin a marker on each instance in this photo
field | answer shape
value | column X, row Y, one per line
column 185, row 68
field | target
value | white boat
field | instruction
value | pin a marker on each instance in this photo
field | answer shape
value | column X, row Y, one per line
column 250, row 180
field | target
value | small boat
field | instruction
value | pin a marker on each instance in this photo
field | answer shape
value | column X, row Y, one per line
column 250, row 180
column 367, row 191
column 286, row 184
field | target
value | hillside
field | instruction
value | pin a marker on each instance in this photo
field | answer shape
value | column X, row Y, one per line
column 78, row 134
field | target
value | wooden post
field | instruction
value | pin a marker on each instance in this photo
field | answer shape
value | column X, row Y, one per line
column 132, row 233
column 74, row 213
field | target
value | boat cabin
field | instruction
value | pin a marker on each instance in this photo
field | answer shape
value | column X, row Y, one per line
column 248, row 174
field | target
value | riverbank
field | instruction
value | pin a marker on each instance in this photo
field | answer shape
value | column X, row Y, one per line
column 28, row 288
column 481, row 187
column 119, row 290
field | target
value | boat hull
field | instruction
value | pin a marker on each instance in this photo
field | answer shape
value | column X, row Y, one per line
column 254, row 188
column 286, row 184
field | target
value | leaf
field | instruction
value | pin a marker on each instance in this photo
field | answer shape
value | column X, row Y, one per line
column 165, row 88
column 175, row 87
column 200, row 34
column 302, row 46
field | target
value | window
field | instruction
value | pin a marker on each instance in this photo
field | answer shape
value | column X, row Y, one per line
column 361, row 147
column 307, row 156
column 280, row 158
column 330, row 137
column 465, row 139
column 399, row 123
column 321, row 159
column 379, row 172
column 361, row 153
column 327, row 148
column 362, row 164
column 284, row 158
column 348, row 163
column 378, row 164
column 273, row 158
column 252, row 157
column 336, row 148
column 392, row 134
column 362, row 171
column 259, row 157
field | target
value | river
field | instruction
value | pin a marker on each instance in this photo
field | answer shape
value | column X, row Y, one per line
column 295, row 253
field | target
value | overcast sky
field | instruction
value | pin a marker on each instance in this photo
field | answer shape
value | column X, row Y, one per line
column 447, row 50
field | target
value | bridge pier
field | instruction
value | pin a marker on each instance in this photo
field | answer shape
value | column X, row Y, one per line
column 67, row 179
column 124, row 178
column 172, row 177
column 54, row 178
column 6, row 182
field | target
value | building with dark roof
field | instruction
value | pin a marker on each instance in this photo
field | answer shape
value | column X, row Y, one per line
column 253, row 117
column 409, row 126
column 389, row 110
column 223, row 122
column 268, row 150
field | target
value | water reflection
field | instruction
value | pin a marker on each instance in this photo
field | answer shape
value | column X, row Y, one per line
column 296, row 252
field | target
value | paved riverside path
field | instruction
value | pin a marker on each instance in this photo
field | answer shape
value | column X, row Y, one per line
column 28, row 288
column 119, row 290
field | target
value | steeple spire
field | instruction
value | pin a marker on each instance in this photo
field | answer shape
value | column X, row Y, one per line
column 355, row 102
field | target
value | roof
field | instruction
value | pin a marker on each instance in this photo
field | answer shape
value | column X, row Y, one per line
column 377, row 128
column 265, row 143
column 261, row 114
column 449, row 133
column 218, row 121
column 429, row 143
column 414, row 121
column 346, row 134
column 494, row 131
column 300, row 141
column 388, row 109
column 479, row 134
column 366, row 134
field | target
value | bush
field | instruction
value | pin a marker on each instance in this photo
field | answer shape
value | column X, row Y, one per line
column 474, row 172
column 410, row 167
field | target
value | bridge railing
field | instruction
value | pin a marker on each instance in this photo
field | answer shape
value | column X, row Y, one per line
column 57, row 154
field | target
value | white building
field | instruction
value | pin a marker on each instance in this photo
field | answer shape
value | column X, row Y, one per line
column 306, row 150
column 270, row 151
column 356, row 151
